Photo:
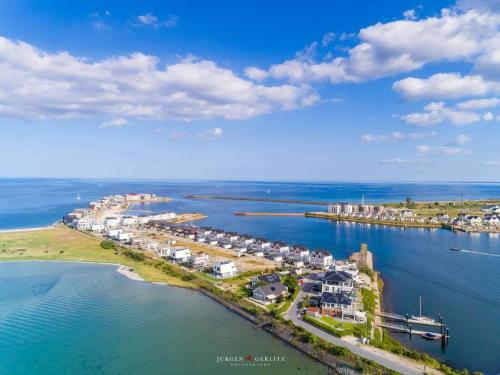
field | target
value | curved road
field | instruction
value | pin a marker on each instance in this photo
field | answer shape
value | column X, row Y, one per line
column 386, row 359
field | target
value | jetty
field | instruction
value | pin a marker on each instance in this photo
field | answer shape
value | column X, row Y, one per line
column 410, row 320
column 409, row 330
column 269, row 213
column 256, row 199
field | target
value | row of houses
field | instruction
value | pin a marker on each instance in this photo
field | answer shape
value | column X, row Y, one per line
column 295, row 255
column 489, row 220
column 378, row 212
column 370, row 211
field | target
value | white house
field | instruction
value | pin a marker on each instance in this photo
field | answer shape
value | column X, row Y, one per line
column 98, row 228
column 475, row 221
column 111, row 222
column 124, row 236
column 320, row 259
column 224, row 269
column 406, row 214
column 129, row 220
column 180, row 254
column 335, row 209
column 335, row 302
column 491, row 221
column 337, row 282
column 198, row 261
column 113, row 233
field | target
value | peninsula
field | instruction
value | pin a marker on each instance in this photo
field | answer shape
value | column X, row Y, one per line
column 261, row 280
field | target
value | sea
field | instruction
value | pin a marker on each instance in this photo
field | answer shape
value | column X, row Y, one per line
column 415, row 263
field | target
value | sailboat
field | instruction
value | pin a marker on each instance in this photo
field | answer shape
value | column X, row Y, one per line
column 268, row 191
column 420, row 318
column 78, row 197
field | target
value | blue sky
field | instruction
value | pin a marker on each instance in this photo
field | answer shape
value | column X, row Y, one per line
column 287, row 90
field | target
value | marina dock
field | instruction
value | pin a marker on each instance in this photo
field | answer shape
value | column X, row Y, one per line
column 409, row 330
column 407, row 319
column 269, row 213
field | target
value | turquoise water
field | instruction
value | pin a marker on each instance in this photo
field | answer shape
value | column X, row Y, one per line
column 464, row 287
column 70, row 318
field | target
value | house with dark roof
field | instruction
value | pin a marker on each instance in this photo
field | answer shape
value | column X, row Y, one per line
column 269, row 293
column 337, row 282
column 265, row 279
column 332, row 303
column 321, row 259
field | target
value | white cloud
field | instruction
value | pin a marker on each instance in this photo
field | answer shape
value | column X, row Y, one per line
column 491, row 163
column 488, row 116
column 463, row 139
column 149, row 19
column 327, row 39
column 410, row 14
column 255, row 74
column 100, row 26
column 396, row 136
column 36, row 84
column 114, row 123
column 479, row 104
column 444, row 86
column 211, row 134
column 457, row 34
column 437, row 112
column 441, row 150
column 468, row 32
column 404, row 161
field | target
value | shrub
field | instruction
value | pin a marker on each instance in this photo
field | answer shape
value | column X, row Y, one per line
column 107, row 245
column 134, row 255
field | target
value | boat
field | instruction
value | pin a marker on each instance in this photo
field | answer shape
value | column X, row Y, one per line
column 420, row 318
column 454, row 249
column 431, row 336
column 78, row 197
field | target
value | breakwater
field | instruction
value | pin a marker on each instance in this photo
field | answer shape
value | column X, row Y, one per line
column 251, row 199
column 240, row 213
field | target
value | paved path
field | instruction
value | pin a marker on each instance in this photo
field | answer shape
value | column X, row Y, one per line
column 386, row 359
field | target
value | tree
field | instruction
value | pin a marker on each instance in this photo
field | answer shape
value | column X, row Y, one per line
column 291, row 283
column 410, row 203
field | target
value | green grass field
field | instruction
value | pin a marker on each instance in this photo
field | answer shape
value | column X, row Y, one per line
column 61, row 243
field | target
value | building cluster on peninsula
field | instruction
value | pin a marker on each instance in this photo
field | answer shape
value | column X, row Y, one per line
column 204, row 249
column 489, row 221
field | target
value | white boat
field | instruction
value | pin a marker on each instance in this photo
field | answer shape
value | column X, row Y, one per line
column 420, row 318
column 78, row 197
column 431, row 336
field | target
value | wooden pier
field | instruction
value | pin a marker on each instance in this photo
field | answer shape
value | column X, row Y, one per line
column 407, row 319
column 409, row 330
column 239, row 213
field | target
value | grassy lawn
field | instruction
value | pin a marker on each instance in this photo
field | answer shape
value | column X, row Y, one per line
column 61, row 243
column 452, row 208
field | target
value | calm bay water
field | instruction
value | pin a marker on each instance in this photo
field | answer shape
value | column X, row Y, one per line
column 465, row 288
column 71, row 318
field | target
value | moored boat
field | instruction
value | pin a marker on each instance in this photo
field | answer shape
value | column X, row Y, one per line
column 431, row 336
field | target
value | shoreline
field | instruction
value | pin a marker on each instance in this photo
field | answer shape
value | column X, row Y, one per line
column 273, row 327
column 123, row 270
column 32, row 229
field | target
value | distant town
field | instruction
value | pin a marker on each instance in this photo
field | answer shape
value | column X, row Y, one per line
column 488, row 220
